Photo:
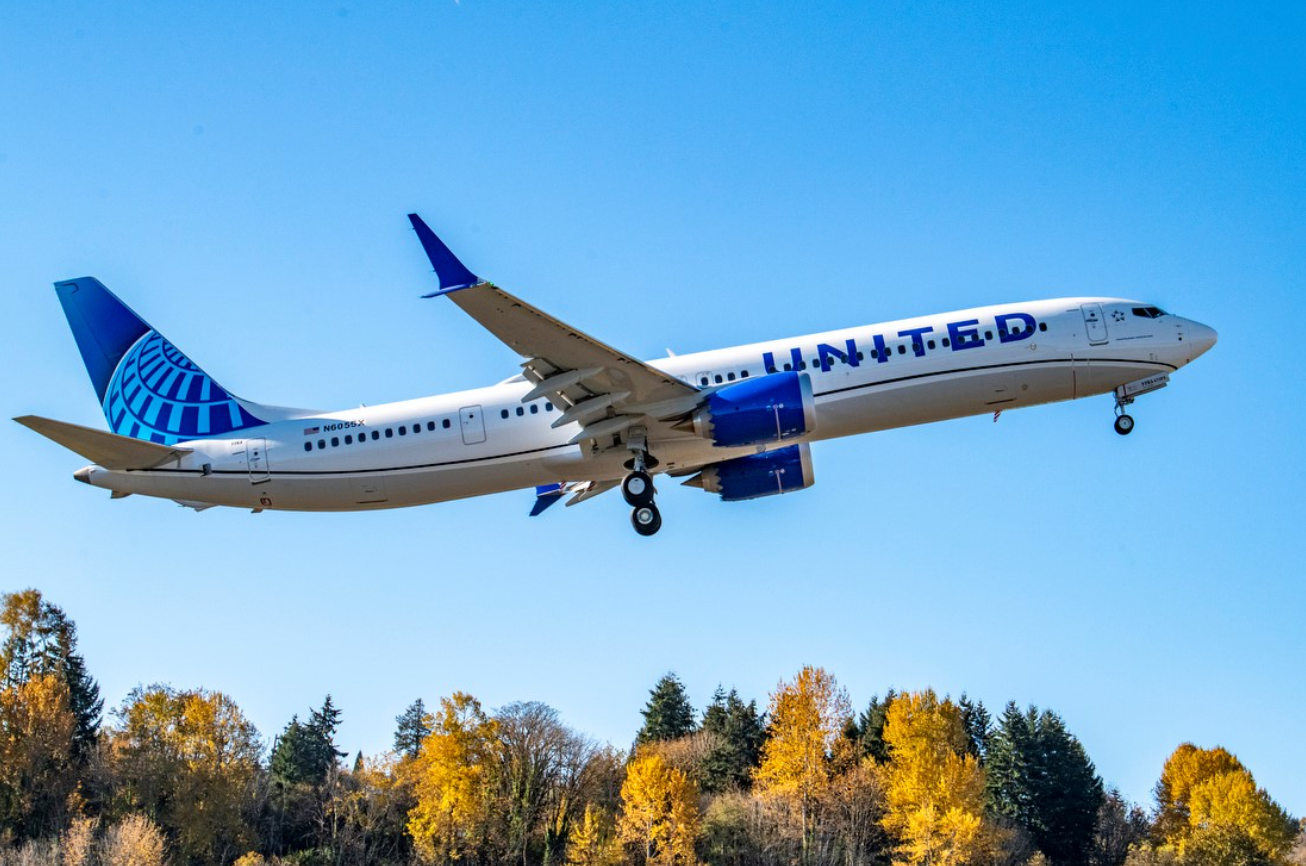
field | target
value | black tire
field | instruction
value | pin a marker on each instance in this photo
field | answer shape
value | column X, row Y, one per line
column 1124, row 425
column 646, row 519
column 637, row 488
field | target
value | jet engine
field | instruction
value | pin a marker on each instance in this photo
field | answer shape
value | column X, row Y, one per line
column 768, row 474
column 757, row 411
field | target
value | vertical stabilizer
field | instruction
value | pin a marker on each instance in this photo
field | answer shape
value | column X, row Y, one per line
column 149, row 390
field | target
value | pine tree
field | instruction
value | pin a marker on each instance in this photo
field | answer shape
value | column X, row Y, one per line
column 322, row 725
column 306, row 751
column 738, row 731
column 413, row 728
column 978, row 723
column 1041, row 779
column 668, row 714
column 868, row 731
column 40, row 640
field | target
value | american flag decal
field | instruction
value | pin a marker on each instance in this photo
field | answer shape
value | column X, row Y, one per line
column 312, row 431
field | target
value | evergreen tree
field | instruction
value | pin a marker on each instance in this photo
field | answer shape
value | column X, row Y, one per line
column 738, row 731
column 306, row 751
column 668, row 714
column 1040, row 778
column 412, row 730
column 40, row 640
column 322, row 725
column 868, row 731
column 978, row 723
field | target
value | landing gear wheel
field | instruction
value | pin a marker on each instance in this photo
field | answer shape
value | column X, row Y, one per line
column 1124, row 425
column 646, row 519
column 637, row 488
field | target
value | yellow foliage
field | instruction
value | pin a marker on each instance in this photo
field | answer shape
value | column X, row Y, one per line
column 36, row 753
column 452, row 781
column 807, row 717
column 934, row 791
column 1207, row 793
column 659, row 811
column 594, row 842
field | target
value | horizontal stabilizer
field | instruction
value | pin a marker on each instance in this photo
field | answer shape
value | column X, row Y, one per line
column 105, row 449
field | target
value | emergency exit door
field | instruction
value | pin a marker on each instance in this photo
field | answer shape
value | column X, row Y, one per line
column 256, row 458
column 1095, row 323
column 473, row 425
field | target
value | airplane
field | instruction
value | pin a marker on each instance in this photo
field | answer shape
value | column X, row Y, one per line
column 582, row 417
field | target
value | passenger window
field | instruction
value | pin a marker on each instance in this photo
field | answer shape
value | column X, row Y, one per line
column 1042, row 326
column 743, row 374
column 916, row 348
column 946, row 342
column 321, row 443
column 430, row 426
column 308, row 446
column 520, row 411
column 702, row 381
column 902, row 350
column 389, row 433
column 717, row 377
column 535, row 409
column 787, row 368
column 862, row 357
column 548, row 407
column 447, row 423
column 730, row 377
column 349, row 440
column 417, row 428
column 875, row 353
column 503, row 413
column 403, row 431
column 335, row 441
column 930, row 344
column 988, row 335
column 376, row 434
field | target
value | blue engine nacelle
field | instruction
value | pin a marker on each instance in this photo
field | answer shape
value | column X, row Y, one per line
column 781, row 471
column 758, row 411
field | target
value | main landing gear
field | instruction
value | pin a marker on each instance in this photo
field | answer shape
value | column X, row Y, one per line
column 637, row 490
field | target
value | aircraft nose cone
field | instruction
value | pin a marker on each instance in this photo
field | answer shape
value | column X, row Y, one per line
column 1202, row 338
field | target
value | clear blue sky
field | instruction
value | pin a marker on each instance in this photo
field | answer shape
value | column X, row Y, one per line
column 678, row 175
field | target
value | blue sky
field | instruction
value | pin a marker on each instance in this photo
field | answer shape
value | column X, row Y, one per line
column 683, row 176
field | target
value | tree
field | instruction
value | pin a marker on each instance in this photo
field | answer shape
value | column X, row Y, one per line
column 594, row 842
column 934, row 787
column 659, row 812
column 413, row 728
column 737, row 733
column 40, row 640
column 1120, row 826
column 454, row 782
column 807, row 716
column 978, row 724
column 1210, row 807
column 668, row 714
column 1040, row 778
column 38, row 734
column 868, row 731
column 190, row 761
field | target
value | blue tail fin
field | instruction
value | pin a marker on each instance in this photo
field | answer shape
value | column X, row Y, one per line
column 148, row 388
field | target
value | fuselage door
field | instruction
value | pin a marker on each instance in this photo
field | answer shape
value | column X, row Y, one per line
column 256, row 458
column 473, row 425
column 1095, row 322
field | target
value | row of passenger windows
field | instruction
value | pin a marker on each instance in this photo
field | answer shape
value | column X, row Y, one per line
column 521, row 410
column 388, row 432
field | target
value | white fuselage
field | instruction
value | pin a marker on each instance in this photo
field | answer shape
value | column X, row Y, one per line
column 486, row 440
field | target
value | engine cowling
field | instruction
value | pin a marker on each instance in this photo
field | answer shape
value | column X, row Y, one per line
column 758, row 411
column 783, row 470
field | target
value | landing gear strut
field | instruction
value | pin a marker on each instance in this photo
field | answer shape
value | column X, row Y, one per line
column 1124, row 422
column 637, row 488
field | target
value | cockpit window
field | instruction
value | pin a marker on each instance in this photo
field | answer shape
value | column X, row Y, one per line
column 1149, row 312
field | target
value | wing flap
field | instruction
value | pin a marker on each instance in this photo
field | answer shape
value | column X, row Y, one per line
column 104, row 449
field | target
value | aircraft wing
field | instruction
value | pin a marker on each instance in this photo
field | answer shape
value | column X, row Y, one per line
column 603, row 389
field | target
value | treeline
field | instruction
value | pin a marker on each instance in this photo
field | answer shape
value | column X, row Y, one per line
column 183, row 777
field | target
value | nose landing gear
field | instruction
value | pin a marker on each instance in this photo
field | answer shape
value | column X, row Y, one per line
column 1124, row 424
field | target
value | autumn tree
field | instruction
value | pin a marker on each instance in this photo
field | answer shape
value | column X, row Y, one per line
column 412, row 727
column 659, row 816
column 454, row 782
column 38, row 747
column 933, row 786
column 668, row 715
column 189, row 760
column 365, row 811
column 40, row 640
column 736, row 731
column 806, row 717
column 594, row 841
column 1040, row 778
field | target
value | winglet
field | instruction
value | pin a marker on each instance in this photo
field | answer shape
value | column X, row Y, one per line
column 545, row 496
column 452, row 273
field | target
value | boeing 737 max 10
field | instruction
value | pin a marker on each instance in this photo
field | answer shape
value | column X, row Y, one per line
column 583, row 417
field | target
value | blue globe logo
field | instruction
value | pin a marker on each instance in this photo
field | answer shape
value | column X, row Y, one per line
column 158, row 394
